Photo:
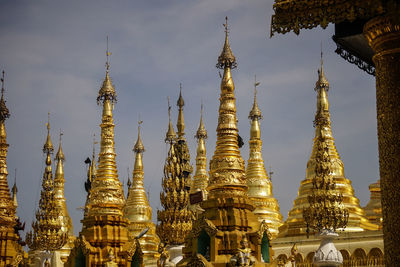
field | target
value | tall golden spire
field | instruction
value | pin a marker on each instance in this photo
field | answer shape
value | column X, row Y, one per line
column 295, row 224
column 91, row 174
column 10, row 249
column 14, row 191
column 60, row 201
column 105, row 230
column 200, row 178
column 138, row 210
column 180, row 124
column 260, row 186
column 227, row 225
column 106, row 194
column 47, row 233
column 175, row 220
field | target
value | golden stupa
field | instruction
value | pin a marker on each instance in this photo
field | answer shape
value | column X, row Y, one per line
column 295, row 224
column 227, row 229
column 104, row 239
column 11, row 252
column 260, row 186
column 373, row 210
column 138, row 211
column 175, row 221
column 200, row 178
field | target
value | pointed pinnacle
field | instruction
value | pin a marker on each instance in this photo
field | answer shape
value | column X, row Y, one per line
column 255, row 112
column 60, row 154
column 4, row 112
column 48, row 146
column 201, row 131
column 139, row 147
column 171, row 135
column 226, row 58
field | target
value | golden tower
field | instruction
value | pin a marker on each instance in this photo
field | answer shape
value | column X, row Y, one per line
column 295, row 224
column 14, row 191
column 200, row 178
column 260, row 186
column 176, row 218
column 104, row 239
column 373, row 210
column 227, row 228
column 47, row 233
column 60, row 202
column 138, row 211
column 11, row 252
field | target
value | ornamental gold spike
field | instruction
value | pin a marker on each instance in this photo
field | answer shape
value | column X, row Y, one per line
column 138, row 210
column 260, row 186
column 106, row 194
column 60, row 201
column 180, row 124
column 200, row 178
column 47, row 233
column 171, row 135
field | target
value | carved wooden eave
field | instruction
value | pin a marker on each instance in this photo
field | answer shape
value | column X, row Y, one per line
column 293, row 15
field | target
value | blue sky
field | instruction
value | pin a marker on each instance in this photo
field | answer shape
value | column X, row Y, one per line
column 53, row 53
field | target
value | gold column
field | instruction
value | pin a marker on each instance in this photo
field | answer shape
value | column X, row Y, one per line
column 138, row 210
column 10, row 250
column 383, row 35
column 260, row 186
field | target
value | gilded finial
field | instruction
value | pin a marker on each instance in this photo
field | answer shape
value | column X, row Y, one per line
column 14, row 188
column 128, row 183
column 322, row 81
column 60, row 154
column 107, row 91
column 139, row 147
column 180, row 124
column 4, row 112
column 201, row 131
column 180, row 103
column 226, row 58
column 255, row 113
column 48, row 146
column 171, row 135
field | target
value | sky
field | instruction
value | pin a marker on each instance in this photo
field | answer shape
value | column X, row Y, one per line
column 53, row 53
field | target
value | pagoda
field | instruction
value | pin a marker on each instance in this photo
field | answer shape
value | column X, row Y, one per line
column 260, row 186
column 175, row 221
column 11, row 252
column 357, row 221
column 373, row 210
column 227, row 232
column 138, row 211
column 104, row 239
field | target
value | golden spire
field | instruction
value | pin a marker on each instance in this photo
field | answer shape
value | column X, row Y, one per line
column 91, row 174
column 227, row 133
column 7, row 209
column 176, row 219
column 260, row 186
column 14, row 191
column 180, row 124
column 60, row 201
column 373, row 210
column 47, row 233
column 295, row 224
column 200, row 179
column 138, row 210
column 171, row 135
column 106, row 193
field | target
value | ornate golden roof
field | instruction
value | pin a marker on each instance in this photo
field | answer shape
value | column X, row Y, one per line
column 47, row 233
column 60, row 201
column 293, row 15
column 260, row 186
column 200, row 178
column 295, row 224
column 138, row 210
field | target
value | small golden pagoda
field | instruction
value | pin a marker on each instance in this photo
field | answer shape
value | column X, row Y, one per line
column 175, row 221
column 138, row 211
column 47, row 233
column 295, row 224
column 260, row 186
column 11, row 252
column 373, row 210
column 227, row 232
column 200, row 178
column 60, row 202
column 104, row 238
